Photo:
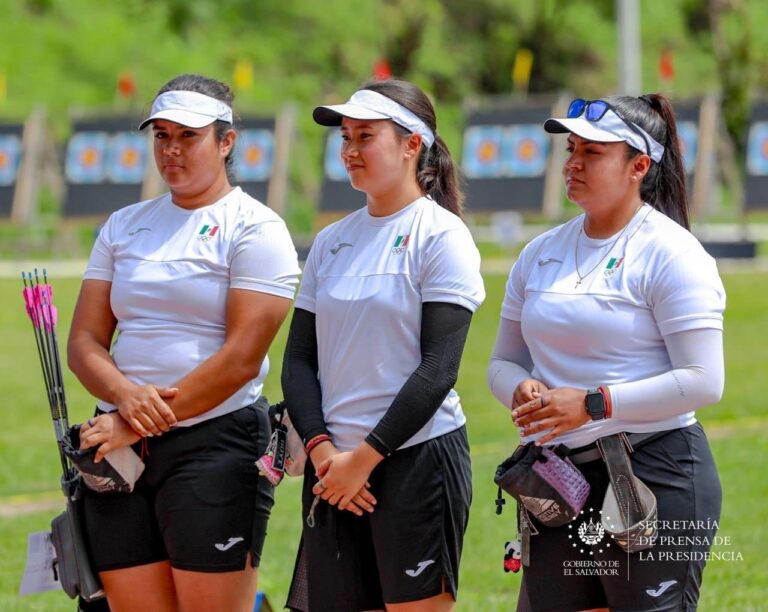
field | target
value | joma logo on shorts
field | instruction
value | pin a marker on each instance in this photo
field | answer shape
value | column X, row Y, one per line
column 419, row 568
column 228, row 545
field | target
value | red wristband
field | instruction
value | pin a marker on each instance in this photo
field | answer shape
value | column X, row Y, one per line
column 315, row 441
column 607, row 400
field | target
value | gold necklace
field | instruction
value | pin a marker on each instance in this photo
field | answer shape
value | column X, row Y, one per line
column 610, row 248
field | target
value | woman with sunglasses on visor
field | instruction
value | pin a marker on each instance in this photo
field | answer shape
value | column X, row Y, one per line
column 373, row 353
column 613, row 323
column 196, row 284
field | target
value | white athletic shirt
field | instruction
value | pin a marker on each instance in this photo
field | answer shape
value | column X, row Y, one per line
column 366, row 279
column 656, row 280
column 170, row 270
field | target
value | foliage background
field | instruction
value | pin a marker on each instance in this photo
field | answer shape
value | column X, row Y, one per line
column 67, row 55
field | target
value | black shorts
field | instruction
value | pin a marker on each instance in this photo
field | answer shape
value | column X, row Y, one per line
column 200, row 502
column 406, row 549
column 568, row 574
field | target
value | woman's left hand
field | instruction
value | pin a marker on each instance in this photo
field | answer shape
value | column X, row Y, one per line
column 108, row 432
column 555, row 411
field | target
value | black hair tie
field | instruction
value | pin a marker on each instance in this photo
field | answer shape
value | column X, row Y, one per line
column 648, row 100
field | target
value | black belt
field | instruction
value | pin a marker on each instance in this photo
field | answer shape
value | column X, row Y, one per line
column 591, row 452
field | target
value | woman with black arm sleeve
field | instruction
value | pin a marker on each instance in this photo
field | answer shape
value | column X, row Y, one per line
column 373, row 353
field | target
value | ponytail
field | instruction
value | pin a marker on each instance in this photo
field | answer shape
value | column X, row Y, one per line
column 436, row 175
column 664, row 185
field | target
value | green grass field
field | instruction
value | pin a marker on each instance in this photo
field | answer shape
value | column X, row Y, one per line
column 737, row 427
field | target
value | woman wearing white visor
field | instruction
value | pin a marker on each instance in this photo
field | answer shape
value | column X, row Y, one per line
column 613, row 323
column 372, row 356
column 196, row 282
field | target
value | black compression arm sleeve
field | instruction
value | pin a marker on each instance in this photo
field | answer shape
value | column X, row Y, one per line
column 301, row 388
column 444, row 329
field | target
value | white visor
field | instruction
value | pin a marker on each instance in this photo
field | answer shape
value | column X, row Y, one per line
column 610, row 128
column 190, row 108
column 371, row 105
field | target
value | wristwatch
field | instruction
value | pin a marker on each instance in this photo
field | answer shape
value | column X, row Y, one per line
column 595, row 404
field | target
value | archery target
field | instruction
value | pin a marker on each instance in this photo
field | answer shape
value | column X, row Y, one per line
column 253, row 155
column 483, row 152
column 10, row 155
column 86, row 157
column 526, row 151
column 334, row 166
column 126, row 158
column 688, row 133
column 757, row 149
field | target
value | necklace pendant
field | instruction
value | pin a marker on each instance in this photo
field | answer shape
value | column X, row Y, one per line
column 578, row 283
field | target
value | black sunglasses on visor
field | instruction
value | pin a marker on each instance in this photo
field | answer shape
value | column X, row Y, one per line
column 594, row 110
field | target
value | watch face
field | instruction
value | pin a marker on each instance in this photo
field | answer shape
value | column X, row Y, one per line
column 595, row 404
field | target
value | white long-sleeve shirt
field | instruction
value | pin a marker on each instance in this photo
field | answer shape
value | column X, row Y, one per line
column 646, row 322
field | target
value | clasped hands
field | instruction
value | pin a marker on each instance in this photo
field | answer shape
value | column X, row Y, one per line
column 141, row 412
column 536, row 408
column 343, row 476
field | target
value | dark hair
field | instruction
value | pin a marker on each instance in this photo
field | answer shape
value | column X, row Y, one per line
column 435, row 171
column 664, row 184
column 214, row 89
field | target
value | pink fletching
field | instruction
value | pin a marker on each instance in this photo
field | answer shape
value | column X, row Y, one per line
column 29, row 299
column 29, row 303
column 49, row 317
column 32, row 314
column 43, row 295
column 44, row 305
